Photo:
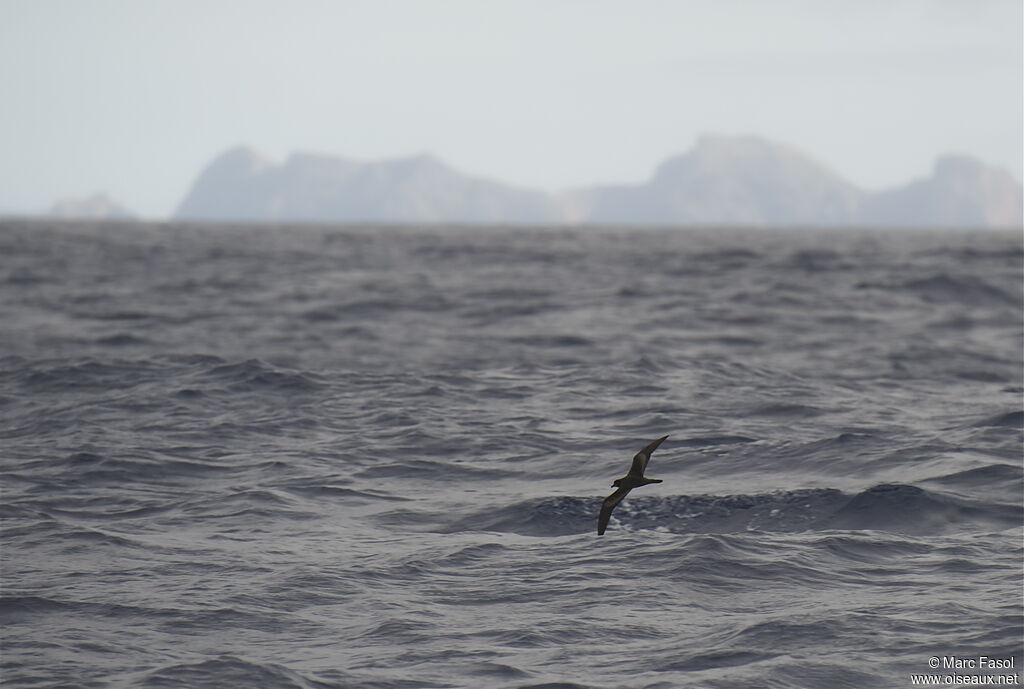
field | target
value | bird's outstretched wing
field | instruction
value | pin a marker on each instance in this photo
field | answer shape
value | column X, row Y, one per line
column 643, row 456
column 607, row 506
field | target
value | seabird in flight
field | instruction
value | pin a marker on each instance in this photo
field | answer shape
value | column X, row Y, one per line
column 634, row 479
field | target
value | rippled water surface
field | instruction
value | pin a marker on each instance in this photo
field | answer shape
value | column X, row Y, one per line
column 367, row 457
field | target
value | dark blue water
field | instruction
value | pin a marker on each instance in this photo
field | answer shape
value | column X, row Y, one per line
column 366, row 457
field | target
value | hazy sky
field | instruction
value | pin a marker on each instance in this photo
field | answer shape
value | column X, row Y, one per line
column 133, row 97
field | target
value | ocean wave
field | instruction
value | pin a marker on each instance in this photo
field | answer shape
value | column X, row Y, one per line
column 88, row 374
column 887, row 507
column 1013, row 419
column 228, row 670
column 254, row 374
column 944, row 287
column 990, row 476
column 19, row 610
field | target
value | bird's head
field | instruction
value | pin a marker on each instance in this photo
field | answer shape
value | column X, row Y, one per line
column 616, row 483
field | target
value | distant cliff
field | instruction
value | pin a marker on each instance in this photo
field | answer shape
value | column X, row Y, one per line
column 241, row 185
column 723, row 181
column 962, row 192
column 729, row 180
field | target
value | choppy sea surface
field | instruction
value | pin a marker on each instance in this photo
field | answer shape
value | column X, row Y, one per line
column 315, row 457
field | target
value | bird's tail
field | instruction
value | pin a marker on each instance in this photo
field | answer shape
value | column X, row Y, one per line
column 651, row 480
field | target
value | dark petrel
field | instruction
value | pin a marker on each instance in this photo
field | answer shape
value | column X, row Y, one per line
column 634, row 479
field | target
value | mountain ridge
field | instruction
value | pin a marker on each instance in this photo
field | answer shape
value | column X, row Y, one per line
column 728, row 180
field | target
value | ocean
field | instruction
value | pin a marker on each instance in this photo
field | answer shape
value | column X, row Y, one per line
column 318, row 457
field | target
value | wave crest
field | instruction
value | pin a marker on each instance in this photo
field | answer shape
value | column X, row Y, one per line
column 897, row 508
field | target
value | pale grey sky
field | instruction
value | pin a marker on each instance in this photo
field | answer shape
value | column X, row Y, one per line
column 133, row 98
